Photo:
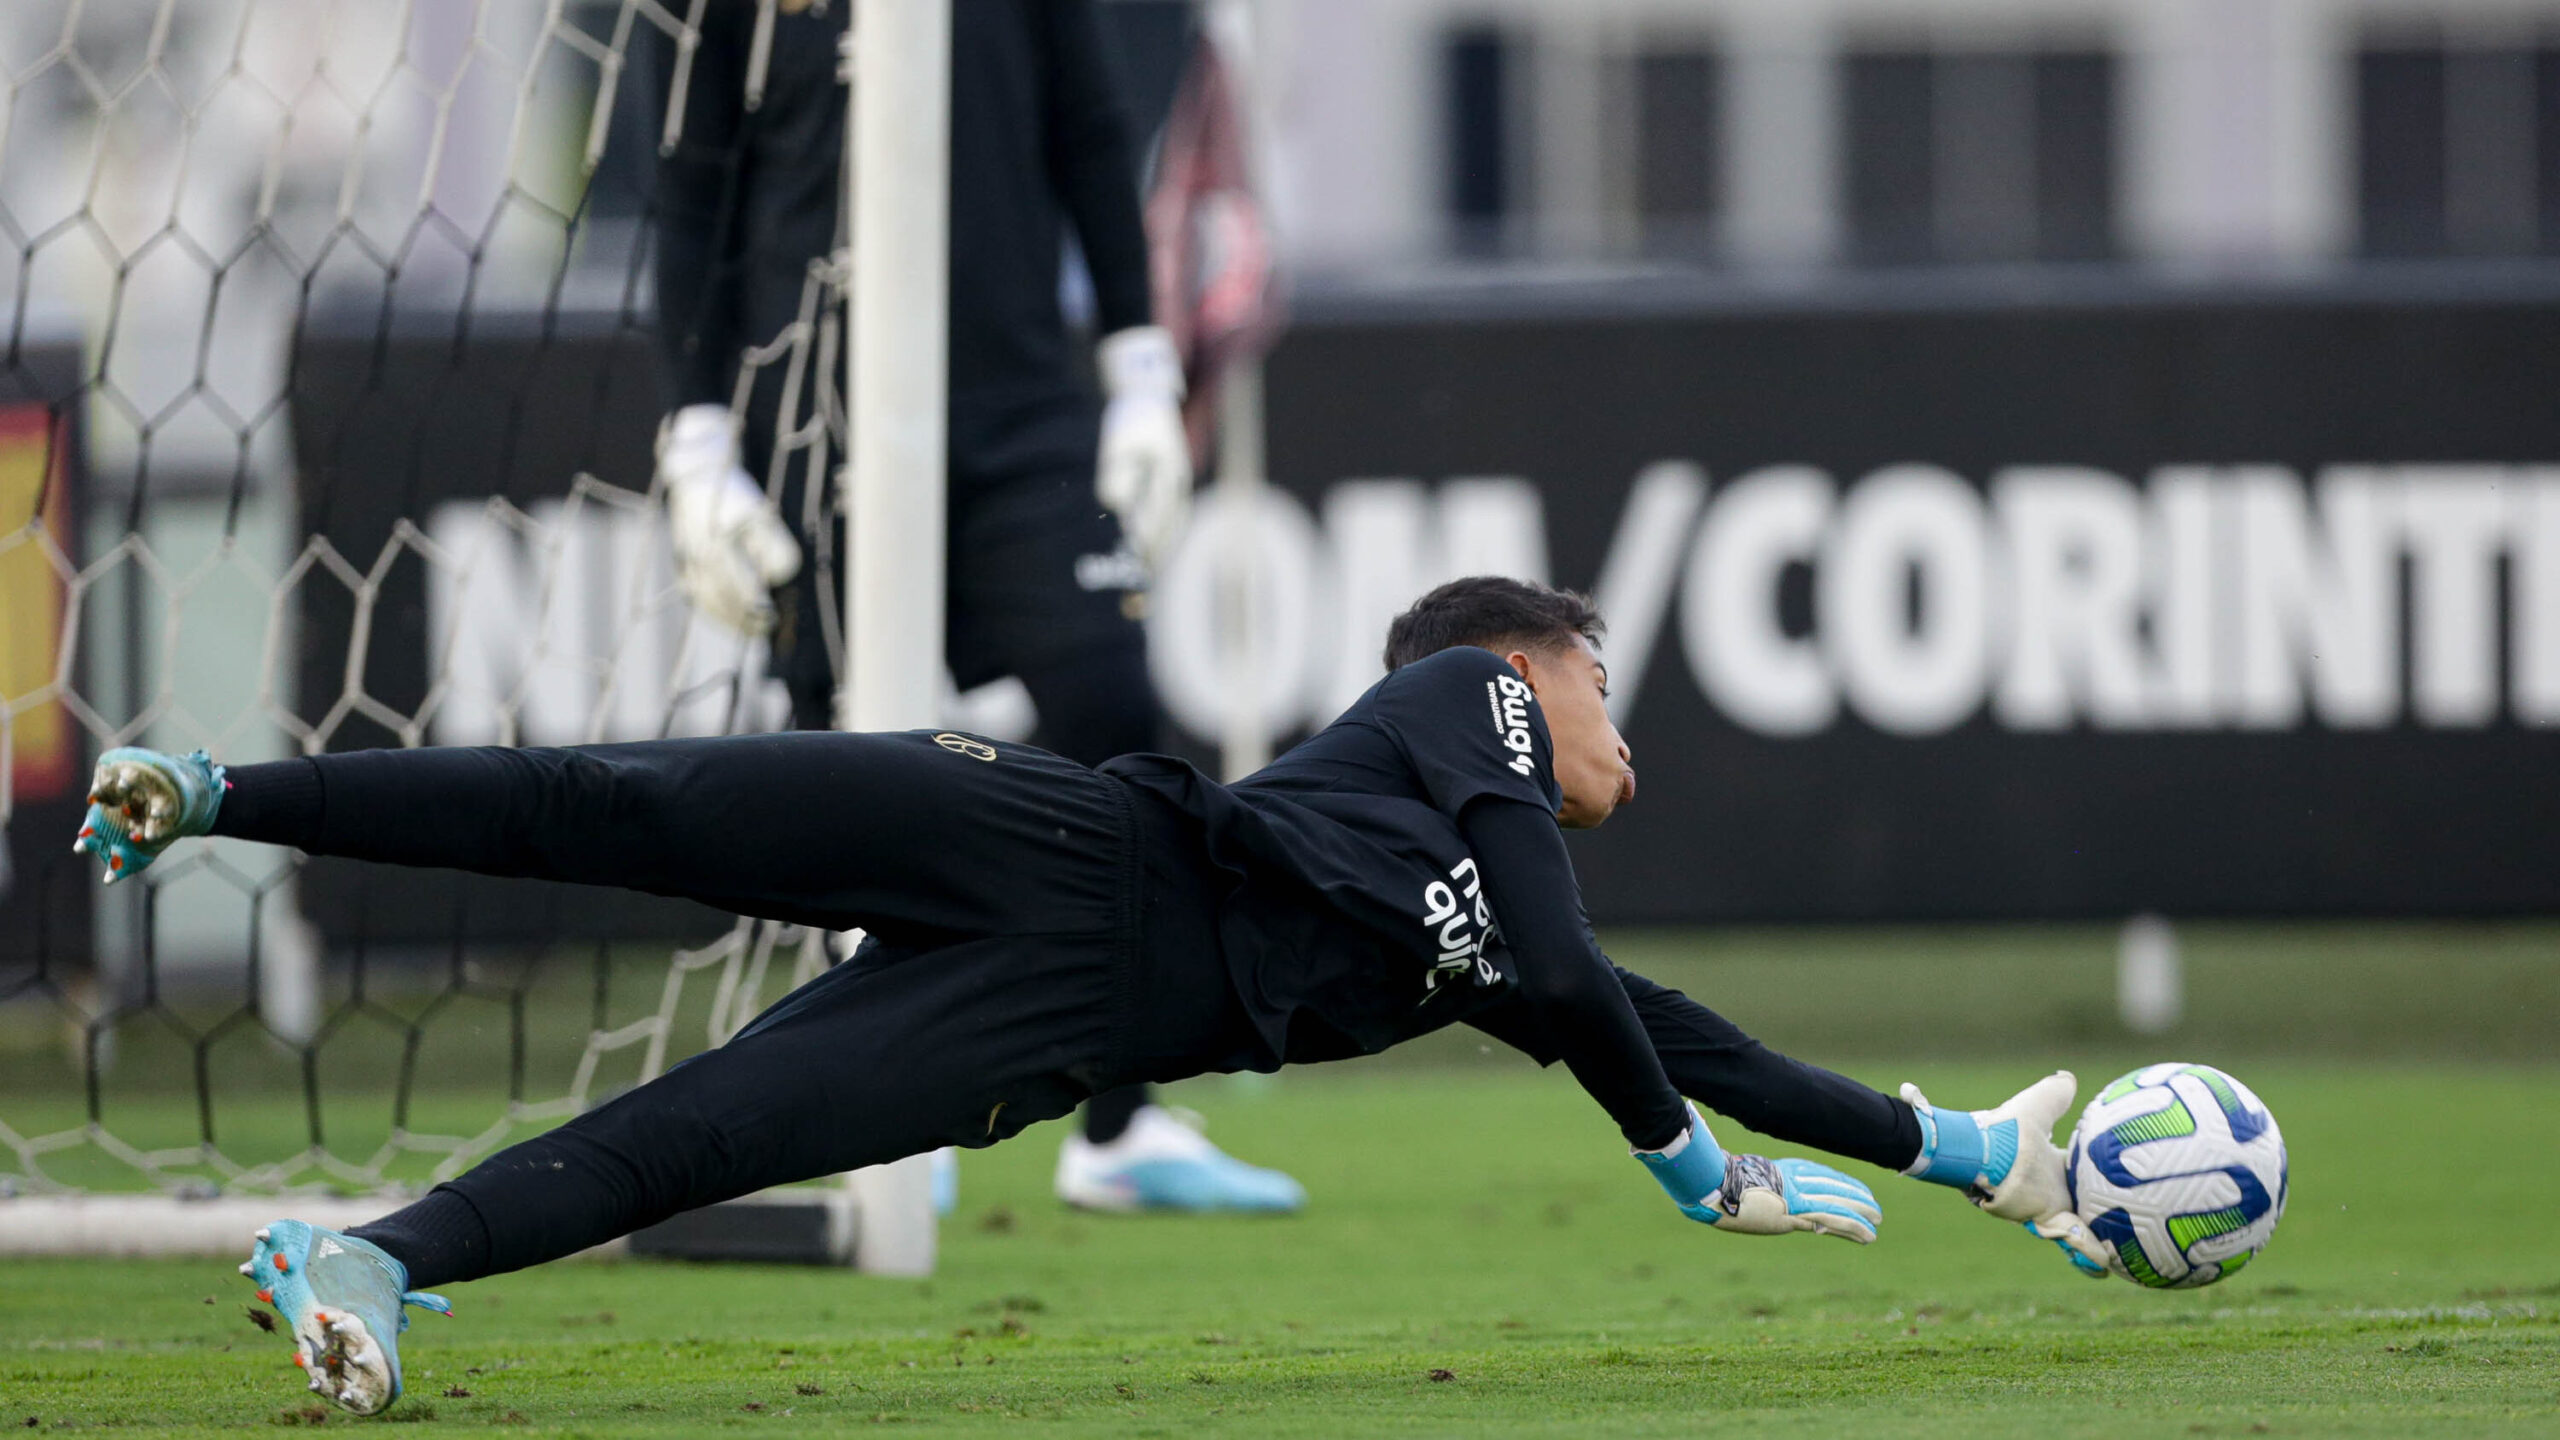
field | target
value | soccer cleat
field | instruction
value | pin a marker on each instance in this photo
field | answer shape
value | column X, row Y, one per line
column 2003, row 1159
column 1159, row 1163
column 343, row 1298
column 142, row 800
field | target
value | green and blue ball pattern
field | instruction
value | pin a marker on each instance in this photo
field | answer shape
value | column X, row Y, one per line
column 2180, row 1171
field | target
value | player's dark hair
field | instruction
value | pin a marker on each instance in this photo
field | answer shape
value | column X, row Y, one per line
column 1495, row 613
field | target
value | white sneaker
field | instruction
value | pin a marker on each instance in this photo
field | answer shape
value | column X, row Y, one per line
column 1160, row 1163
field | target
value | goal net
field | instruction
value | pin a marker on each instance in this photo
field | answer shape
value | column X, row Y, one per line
column 326, row 416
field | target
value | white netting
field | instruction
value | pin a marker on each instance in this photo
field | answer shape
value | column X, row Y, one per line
column 324, row 423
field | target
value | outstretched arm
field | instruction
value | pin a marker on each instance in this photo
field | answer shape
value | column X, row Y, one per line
column 1710, row 1060
column 1479, row 746
column 694, row 214
column 1572, row 994
column 1143, row 468
column 1566, row 984
column 1093, row 164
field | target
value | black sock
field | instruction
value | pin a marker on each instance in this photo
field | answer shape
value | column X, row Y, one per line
column 278, row 803
column 441, row 1239
column 1108, row 1114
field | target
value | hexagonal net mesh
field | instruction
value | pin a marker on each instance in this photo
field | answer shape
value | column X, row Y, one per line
column 326, row 417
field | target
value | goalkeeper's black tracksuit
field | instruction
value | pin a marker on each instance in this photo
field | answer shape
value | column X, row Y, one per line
column 1047, row 931
column 1040, row 586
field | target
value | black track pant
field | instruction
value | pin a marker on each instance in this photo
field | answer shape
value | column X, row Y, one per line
column 1040, row 942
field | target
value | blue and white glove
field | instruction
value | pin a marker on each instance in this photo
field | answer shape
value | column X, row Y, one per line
column 2005, row 1161
column 2071, row 1235
column 1754, row 1195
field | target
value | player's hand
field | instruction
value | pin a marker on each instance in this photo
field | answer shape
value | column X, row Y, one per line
column 2003, row 1159
column 1754, row 1195
column 1774, row 1197
column 1144, row 473
column 731, row 548
column 2071, row 1235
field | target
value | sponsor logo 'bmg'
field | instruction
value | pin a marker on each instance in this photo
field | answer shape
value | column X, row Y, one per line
column 1509, row 697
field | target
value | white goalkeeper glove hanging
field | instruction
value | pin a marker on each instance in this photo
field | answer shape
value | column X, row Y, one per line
column 731, row 548
column 1144, row 475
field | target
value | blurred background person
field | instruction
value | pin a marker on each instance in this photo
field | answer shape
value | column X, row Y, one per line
column 1060, row 500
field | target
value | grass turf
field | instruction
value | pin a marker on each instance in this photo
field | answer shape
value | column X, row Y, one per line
column 1480, row 1258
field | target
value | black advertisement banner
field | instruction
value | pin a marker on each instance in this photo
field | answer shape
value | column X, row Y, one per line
column 2211, row 608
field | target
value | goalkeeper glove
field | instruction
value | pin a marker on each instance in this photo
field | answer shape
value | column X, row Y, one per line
column 1754, row 1195
column 1144, row 470
column 2072, row 1236
column 731, row 548
column 2005, row 1161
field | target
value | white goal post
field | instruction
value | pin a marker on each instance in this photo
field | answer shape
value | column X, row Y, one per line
column 898, row 147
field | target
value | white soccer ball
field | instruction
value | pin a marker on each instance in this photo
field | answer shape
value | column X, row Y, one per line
column 2180, row 1172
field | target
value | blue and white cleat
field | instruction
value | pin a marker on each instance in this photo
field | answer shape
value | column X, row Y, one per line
column 343, row 1299
column 140, row 801
column 2004, row 1159
column 1159, row 1163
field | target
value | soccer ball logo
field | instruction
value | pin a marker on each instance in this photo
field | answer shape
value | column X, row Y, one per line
column 2180, row 1172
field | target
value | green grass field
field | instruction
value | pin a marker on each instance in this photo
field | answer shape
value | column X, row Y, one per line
column 1481, row 1258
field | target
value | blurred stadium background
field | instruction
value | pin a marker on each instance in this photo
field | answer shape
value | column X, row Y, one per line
column 2075, row 482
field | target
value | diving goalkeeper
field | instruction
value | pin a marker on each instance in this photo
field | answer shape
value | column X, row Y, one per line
column 1048, row 931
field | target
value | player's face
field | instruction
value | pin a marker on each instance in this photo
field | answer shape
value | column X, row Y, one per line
column 1593, row 767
